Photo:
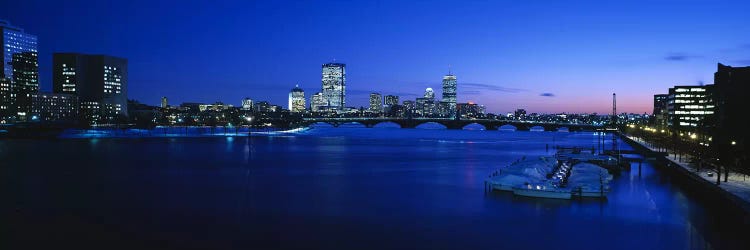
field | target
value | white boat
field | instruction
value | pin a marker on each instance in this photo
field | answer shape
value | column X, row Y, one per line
column 542, row 191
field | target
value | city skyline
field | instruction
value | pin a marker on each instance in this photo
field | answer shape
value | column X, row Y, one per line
column 631, row 49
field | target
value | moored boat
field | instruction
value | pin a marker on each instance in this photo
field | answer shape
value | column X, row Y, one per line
column 542, row 191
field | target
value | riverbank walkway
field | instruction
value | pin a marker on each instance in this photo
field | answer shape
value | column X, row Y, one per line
column 736, row 184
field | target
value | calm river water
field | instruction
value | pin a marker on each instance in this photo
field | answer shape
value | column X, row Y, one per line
column 331, row 188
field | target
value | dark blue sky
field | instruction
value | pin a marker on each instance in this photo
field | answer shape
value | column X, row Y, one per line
column 545, row 56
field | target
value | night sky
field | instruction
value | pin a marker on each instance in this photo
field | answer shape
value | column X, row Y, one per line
column 543, row 56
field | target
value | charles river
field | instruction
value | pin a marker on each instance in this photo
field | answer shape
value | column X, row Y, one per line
column 332, row 188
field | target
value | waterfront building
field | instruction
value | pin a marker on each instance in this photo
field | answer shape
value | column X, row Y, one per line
column 247, row 103
column 318, row 102
column 449, row 95
column 217, row 106
column 14, row 41
column 25, row 81
column 390, row 100
column 53, row 107
column 99, row 81
column 660, row 110
column 690, row 108
column 409, row 107
column 376, row 103
column 164, row 103
column 5, row 99
column 732, row 84
column 263, row 106
column 334, row 85
column 469, row 110
column 297, row 99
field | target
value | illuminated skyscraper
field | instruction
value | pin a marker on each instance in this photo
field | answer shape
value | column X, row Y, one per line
column 449, row 94
column 20, row 48
column 15, row 41
column 164, row 103
column 334, row 85
column 297, row 99
column 376, row 103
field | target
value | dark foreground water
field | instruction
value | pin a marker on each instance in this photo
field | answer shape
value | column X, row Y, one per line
column 330, row 188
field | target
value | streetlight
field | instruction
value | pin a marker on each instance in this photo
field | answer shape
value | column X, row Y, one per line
column 734, row 143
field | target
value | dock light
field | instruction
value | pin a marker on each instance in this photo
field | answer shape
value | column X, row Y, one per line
column 248, row 118
column 734, row 143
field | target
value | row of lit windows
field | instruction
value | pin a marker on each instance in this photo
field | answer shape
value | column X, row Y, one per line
column 693, row 112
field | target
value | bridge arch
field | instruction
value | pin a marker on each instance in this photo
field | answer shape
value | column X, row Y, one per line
column 431, row 125
column 537, row 128
column 507, row 127
column 386, row 124
column 474, row 126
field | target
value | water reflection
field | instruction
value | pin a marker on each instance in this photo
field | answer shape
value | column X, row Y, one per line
column 396, row 188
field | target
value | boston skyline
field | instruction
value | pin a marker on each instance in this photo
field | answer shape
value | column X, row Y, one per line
column 537, row 56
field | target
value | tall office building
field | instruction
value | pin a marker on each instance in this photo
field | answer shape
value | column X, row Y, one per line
column 25, row 81
column 732, row 84
column 164, row 103
column 99, row 81
column 449, row 95
column 334, row 85
column 318, row 102
column 297, row 99
column 376, row 103
column 660, row 110
column 690, row 108
column 16, row 43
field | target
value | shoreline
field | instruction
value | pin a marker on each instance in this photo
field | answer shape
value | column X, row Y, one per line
column 736, row 192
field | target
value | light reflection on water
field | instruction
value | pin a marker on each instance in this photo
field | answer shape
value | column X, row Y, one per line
column 338, row 187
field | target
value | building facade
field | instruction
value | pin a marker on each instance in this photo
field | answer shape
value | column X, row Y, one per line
column 390, row 100
column 376, row 103
column 318, row 102
column 660, row 110
column 98, row 80
column 449, row 95
column 690, row 108
column 25, row 81
column 164, row 103
column 247, row 103
column 731, row 135
column 53, row 107
column 297, row 100
column 334, row 85
column 15, row 41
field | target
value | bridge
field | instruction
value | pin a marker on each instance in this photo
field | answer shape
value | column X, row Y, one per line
column 450, row 123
